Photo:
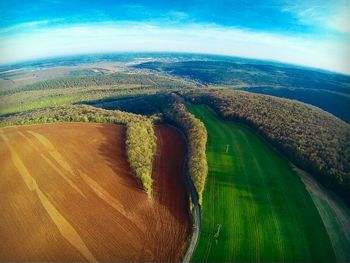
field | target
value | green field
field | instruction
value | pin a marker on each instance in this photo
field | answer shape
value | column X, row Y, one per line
column 263, row 208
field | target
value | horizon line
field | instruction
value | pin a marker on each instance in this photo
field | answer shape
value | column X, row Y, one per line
column 102, row 53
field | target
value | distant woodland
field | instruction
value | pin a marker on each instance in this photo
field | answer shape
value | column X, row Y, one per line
column 326, row 90
column 81, row 89
column 144, row 80
column 313, row 139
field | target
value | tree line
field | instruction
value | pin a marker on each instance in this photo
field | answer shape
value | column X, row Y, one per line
column 141, row 147
column 311, row 138
column 196, row 135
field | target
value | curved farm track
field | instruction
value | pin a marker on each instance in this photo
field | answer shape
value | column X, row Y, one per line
column 68, row 194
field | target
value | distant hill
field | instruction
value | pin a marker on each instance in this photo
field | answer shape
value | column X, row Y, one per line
column 326, row 90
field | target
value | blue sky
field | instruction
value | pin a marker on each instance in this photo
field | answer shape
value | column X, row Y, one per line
column 307, row 32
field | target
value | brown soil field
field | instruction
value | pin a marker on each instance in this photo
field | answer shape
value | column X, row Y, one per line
column 67, row 194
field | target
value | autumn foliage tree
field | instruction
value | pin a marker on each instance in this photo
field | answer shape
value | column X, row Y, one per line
column 141, row 148
column 196, row 135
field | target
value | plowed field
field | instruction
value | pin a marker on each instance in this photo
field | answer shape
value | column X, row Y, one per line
column 68, row 194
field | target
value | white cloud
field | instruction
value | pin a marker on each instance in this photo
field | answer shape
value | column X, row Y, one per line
column 341, row 21
column 23, row 26
column 200, row 38
column 329, row 15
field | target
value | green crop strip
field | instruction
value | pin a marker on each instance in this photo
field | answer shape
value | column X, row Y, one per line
column 255, row 207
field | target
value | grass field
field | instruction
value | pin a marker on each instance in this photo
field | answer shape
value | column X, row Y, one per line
column 68, row 194
column 255, row 207
column 334, row 213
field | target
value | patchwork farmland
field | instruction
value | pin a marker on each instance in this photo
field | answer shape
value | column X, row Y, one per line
column 68, row 194
column 255, row 207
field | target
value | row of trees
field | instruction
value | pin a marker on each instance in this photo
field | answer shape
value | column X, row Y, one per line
column 140, row 142
column 196, row 135
column 313, row 139
column 141, row 148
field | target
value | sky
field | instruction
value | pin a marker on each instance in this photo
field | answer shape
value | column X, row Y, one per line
column 313, row 33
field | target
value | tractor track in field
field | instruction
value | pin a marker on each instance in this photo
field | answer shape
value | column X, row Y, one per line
column 341, row 212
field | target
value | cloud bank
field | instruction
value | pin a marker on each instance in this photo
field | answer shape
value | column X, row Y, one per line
column 39, row 41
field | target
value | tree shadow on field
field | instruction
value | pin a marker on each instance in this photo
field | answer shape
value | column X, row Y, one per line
column 169, row 182
column 169, row 192
column 112, row 149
